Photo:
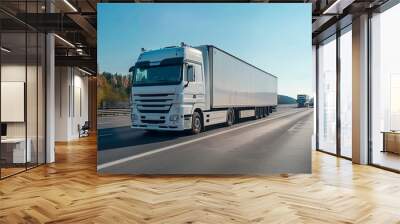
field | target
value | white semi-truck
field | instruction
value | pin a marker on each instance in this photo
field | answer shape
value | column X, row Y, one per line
column 189, row 88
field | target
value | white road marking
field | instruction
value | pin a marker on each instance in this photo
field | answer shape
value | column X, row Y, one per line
column 119, row 161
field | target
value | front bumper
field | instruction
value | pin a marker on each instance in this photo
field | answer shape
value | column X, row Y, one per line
column 161, row 121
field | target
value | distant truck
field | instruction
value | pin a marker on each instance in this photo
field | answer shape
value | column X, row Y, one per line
column 188, row 88
column 303, row 100
column 311, row 102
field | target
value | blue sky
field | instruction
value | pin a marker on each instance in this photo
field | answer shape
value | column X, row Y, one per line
column 274, row 37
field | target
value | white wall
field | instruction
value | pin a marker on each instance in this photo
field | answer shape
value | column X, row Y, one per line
column 80, row 111
column 62, row 82
column 16, row 73
column 71, row 87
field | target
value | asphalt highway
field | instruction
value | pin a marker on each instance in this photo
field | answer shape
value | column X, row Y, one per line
column 279, row 143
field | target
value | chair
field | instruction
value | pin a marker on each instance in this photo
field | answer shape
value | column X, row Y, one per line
column 84, row 130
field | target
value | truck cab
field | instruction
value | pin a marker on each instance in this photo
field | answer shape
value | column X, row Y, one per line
column 302, row 100
column 168, row 88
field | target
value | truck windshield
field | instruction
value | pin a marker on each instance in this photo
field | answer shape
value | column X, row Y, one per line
column 157, row 75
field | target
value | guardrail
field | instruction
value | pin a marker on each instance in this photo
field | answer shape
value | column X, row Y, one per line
column 127, row 112
column 113, row 112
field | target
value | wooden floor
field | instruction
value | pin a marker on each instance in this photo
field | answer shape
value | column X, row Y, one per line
column 387, row 159
column 70, row 191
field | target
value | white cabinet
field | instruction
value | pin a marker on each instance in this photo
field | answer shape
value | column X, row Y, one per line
column 17, row 146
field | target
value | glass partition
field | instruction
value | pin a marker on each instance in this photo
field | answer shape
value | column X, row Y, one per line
column 13, row 117
column 22, row 78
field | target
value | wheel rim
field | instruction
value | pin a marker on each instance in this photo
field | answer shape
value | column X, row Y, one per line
column 197, row 123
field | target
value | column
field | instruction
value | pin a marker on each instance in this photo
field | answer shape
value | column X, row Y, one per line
column 50, row 92
column 360, row 90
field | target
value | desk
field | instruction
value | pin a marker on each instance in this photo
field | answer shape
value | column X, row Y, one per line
column 391, row 141
column 13, row 150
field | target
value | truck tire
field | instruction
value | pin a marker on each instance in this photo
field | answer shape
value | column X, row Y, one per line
column 230, row 117
column 267, row 111
column 197, row 124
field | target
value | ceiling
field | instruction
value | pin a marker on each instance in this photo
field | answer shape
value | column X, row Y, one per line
column 73, row 22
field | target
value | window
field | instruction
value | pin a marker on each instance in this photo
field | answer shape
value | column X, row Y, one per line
column 346, row 93
column 395, row 102
column 385, row 88
column 327, row 95
column 158, row 75
column 329, row 113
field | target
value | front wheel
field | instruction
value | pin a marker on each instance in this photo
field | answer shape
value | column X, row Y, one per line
column 197, row 124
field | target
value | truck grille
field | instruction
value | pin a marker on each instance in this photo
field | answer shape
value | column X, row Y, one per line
column 156, row 95
column 154, row 111
column 153, row 121
column 154, row 103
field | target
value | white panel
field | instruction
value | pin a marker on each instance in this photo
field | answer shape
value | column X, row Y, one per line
column 236, row 83
column 247, row 113
column 12, row 101
column 215, row 117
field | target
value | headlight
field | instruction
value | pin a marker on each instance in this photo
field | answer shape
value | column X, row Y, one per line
column 174, row 117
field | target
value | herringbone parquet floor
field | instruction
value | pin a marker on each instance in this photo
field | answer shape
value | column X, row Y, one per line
column 70, row 191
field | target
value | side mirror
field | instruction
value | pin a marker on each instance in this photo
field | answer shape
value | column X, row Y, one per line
column 131, row 69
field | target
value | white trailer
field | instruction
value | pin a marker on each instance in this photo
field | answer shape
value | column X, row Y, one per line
column 180, row 88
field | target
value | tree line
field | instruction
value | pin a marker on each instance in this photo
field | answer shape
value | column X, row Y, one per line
column 113, row 89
